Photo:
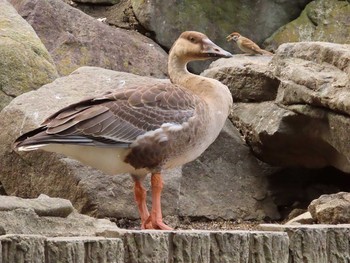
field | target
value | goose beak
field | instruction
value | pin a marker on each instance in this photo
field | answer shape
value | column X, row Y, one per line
column 212, row 50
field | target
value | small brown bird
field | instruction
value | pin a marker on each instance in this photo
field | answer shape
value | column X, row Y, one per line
column 246, row 45
column 145, row 128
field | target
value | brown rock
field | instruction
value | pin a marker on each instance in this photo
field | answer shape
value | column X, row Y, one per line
column 331, row 209
column 304, row 218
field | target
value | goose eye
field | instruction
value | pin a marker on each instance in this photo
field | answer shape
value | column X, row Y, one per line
column 192, row 39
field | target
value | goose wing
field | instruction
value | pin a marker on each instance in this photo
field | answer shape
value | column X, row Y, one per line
column 116, row 118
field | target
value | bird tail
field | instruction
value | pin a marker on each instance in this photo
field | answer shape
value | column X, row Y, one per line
column 25, row 141
column 39, row 138
column 265, row 52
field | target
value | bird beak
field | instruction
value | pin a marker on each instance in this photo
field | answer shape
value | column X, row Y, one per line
column 212, row 50
column 229, row 38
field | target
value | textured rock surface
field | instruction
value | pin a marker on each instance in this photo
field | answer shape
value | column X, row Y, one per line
column 202, row 246
column 26, row 221
column 20, row 248
column 277, row 244
column 331, row 209
column 304, row 218
column 94, row 193
column 248, row 77
column 321, row 20
column 256, row 20
column 75, row 39
column 149, row 247
column 25, row 64
column 307, row 122
column 217, row 19
column 84, row 249
column 316, row 243
column 43, row 205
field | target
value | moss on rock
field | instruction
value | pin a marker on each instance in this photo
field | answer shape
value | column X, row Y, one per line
column 25, row 64
column 321, row 20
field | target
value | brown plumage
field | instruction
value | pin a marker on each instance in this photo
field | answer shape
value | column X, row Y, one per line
column 144, row 128
column 247, row 45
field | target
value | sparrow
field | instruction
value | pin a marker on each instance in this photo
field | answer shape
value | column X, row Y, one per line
column 247, row 45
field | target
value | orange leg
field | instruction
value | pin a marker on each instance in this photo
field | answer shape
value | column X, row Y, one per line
column 156, row 217
column 140, row 198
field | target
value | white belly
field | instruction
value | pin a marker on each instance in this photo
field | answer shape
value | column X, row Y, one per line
column 108, row 160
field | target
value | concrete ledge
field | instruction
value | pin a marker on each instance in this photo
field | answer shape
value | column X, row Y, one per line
column 290, row 244
column 316, row 243
column 149, row 246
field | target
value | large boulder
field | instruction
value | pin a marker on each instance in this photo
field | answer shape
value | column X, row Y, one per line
column 25, row 64
column 306, row 124
column 75, row 39
column 217, row 19
column 321, row 20
column 225, row 182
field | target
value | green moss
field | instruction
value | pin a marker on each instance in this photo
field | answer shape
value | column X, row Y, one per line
column 321, row 20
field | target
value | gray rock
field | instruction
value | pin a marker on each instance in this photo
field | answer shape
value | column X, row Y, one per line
column 321, row 20
column 43, row 205
column 216, row 19
column 248, row 77
column 25, row 64
column 75, row 39
column 22, row 248
column 26, row 221
column 306, row 125
column 315, row 74
column 331, row 209
column 256, row 20
column 84, row 249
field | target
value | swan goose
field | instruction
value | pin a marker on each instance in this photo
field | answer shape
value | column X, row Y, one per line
column 144, row 128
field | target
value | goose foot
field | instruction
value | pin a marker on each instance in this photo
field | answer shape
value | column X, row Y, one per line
column 155, row 223
column 156, row 218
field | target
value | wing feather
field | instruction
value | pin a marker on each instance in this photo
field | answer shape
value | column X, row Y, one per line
column 118, row 117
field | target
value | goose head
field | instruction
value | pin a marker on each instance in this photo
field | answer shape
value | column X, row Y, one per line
column 193, row 45
column 233, row 36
